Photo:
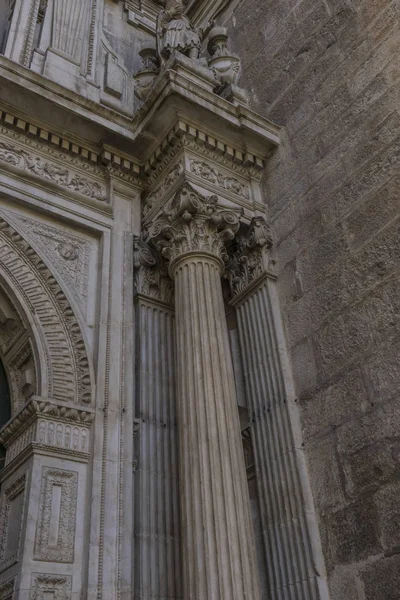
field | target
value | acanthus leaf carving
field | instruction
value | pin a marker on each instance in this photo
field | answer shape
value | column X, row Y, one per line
column 251, row 258
column 191, row 222
column 151, row 276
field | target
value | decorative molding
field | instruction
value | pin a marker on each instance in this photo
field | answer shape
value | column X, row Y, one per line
column 27, row 49
column 193, row 223
column 219, row 146
column 68, row 362
column 21, row 375
column 69, row 21
column 42, row 584
column 209, row 173
column 151, row 276
column 10, row 493
column 39, row 408
column 69, row 253
column 7, row 589
column 51, row 171
column 48, row 139
column 60, row 550
column 251, row 257
column 154, row 198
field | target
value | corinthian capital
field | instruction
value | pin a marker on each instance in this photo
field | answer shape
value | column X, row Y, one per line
column 193, row 223
column 251, row 258
column 151, row 277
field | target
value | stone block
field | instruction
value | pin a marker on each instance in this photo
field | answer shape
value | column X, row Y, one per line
column 374, row 214
column 304, row 367
column 382, row 579
column 381, row 423
column 318, row 258
column 370, row 467
column 338, row 403
column 388, row 508
column 352, row 534
column 383, row 370
column 345, row 584
column 327, row 478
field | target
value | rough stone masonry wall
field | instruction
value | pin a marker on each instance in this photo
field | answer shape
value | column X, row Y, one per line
column 329, row 72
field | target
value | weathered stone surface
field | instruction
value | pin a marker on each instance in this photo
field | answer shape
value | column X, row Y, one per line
column 329, row 72
column 352, row 533
column 388, row 507
column 382, row 579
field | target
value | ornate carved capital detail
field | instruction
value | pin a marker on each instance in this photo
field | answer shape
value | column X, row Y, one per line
column 39, row 408
column 251, row 258
column 191, row 222
column 151, row 276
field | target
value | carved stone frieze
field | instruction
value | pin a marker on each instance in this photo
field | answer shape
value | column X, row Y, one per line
column 250, row 259
column 50, row 170
column 209, row 173
column 151, row 276
column 172, row 176
column 11, row 521
column 47, row 423
column 68, row 363
column 58, row 587
column 56, row 514
column 193, row 223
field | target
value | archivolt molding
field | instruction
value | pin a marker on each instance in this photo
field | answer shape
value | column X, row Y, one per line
column 68, row 366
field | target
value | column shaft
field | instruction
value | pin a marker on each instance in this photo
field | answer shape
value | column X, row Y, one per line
column 157, row 521
column 218, row 547
column 287, row 513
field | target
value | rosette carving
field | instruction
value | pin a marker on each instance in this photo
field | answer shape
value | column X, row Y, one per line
column 251, row 258
column 193, row 223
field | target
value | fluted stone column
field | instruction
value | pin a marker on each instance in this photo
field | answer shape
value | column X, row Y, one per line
column 217, row 539
column 294, row 562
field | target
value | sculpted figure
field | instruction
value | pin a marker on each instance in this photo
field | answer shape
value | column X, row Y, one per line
column 175, row 32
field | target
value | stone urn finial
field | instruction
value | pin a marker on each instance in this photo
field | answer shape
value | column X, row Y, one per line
column 225, row 65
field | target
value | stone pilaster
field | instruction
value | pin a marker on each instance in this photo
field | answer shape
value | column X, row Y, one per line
column 217, row 539
column 42, row 501
column 156, row 499
column 293, row 555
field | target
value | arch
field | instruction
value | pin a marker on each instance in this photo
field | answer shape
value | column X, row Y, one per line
column 64, row 370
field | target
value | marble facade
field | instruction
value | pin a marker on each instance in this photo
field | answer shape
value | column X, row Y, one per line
column 152, row 402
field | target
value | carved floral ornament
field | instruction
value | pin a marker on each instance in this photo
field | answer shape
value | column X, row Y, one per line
column 191, row 223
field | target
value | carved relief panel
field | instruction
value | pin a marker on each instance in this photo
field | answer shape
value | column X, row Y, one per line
column 55, row 530
column 11, row 521
column 51, row 587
